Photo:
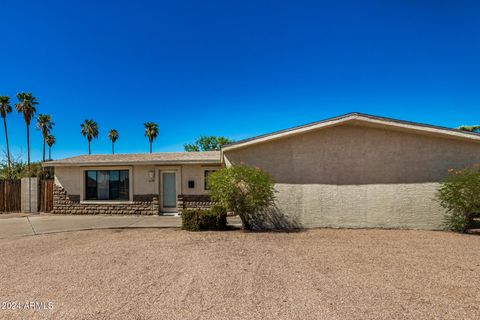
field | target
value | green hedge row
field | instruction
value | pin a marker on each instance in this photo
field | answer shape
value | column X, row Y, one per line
column 214, row 218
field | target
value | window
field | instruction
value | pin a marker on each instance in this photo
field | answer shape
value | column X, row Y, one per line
column 206, row 173
column 106, row 185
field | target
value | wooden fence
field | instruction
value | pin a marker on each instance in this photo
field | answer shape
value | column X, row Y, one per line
column 45, row 203
column 10, row 196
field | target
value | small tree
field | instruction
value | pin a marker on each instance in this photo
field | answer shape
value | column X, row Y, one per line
column 207, row 143
column 459, row 194
column 244, row 190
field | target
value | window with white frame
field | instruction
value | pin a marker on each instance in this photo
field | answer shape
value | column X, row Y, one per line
column 106, row 185
column 205, row 180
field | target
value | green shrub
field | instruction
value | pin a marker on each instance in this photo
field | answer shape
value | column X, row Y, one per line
column 459, row 194
column 244, row 190
column 214, row 218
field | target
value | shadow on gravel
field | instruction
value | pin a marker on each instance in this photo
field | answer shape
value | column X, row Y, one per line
column 275, row 220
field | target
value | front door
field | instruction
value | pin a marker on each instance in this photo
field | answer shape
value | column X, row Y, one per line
column 169, row 191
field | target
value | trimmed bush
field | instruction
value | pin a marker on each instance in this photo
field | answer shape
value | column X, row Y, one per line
column 246, row 191
column 214, row 218
column 459, row 194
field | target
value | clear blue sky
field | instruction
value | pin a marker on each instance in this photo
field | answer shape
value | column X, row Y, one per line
column 234, row 68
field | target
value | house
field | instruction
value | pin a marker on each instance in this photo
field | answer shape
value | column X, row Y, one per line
column 130, row 183
column 355, row 170
column 358, row 170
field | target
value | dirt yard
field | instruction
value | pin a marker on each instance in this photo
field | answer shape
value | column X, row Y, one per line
column 173, row 274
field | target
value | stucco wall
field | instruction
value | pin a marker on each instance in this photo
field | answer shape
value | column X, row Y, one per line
column 355, row 176
column 196, row 174
column 70, row 180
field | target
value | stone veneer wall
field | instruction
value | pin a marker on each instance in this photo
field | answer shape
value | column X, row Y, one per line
column 70, row 204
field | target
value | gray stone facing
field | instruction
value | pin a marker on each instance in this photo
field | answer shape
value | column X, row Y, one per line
column 70, row 204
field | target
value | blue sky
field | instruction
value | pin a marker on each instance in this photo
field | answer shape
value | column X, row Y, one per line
column 234, row 68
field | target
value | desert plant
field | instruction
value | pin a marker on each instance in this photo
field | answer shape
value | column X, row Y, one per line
column 459, row 194
column 19, row 169
column 151, row 132
column 26, row 106
column 214, row 218
column 244, row 190
column 89, row 130
column 113, row 136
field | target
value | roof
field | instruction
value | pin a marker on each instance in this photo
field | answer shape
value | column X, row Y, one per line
column 357, row 118
column 209, row 157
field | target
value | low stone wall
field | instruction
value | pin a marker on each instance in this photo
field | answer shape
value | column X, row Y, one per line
column 70, row 204
column 194, row 201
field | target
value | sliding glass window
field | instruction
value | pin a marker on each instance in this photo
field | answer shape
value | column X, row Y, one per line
column 106, row 185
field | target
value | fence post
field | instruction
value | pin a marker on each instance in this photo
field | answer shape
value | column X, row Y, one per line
column 29, row 193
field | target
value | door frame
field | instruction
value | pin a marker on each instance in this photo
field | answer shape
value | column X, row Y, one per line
column 161, row 171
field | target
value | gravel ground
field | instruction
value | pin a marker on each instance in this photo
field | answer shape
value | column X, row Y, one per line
column 173, row 274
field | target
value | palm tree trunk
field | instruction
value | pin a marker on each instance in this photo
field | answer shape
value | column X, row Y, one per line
column 113, row 148
column 150, row 146
column 43, row 149
column 29, row 171
column 8, row 149
column 49, row 153
column 88, row 146
column 28, row 148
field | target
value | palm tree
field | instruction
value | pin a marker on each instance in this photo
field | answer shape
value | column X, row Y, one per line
column 90, row 131
column 151, row 131
column 45, row 124
column 6, row 108
column 26, row 105
column 113, row 136
column 50, row 141
column 469, row 128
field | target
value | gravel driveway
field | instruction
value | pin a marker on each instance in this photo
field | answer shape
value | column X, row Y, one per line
column 173, row 274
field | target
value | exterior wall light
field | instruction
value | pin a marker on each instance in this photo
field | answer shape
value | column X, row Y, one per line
column 151, row 175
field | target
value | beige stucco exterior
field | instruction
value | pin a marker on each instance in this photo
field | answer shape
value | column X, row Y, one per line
column 359, row 175
column 71, row 179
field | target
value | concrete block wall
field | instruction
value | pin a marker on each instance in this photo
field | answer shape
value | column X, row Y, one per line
column 29, row 196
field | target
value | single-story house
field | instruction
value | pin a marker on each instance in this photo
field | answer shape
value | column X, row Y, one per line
column 354, row 170
column 130, row 183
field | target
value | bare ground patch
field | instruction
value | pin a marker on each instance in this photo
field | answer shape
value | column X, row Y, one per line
column 173, row 274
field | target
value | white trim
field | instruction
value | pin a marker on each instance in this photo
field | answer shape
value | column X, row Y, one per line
column 108, row 168
column 59, row 163
column 106, row 202
column 178, row 185
column 359, row 118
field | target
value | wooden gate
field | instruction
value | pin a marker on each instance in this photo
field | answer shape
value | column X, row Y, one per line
column 10, row 200
column 45, row 203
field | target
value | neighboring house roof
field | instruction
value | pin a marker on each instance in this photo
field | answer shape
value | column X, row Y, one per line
column 359, row 118
column 210, row 157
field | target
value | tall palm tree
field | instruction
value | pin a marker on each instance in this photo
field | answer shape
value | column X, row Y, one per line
column 26, row 105
column 469, row 128
column 113, row 136
column 50, row 141
column 6, row 108
column 151, row 131
column 45, row 124
column 90, row 131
